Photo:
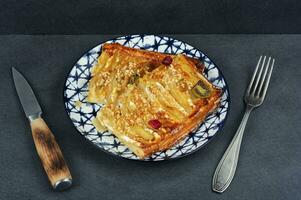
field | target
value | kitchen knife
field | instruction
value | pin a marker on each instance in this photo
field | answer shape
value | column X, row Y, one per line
column 48, row 150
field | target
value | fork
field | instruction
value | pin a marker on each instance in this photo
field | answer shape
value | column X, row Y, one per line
column 253, row 98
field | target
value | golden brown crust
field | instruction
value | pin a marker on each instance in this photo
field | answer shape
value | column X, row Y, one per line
column 110, row 48
column 154, row 89
column 184, row 129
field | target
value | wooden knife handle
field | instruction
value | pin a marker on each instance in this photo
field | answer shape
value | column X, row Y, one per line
column 51, row 156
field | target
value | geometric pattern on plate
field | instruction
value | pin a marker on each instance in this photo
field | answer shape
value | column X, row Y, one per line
column 82, row 114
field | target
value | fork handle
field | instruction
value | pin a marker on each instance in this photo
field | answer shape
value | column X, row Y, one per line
column 225, row 170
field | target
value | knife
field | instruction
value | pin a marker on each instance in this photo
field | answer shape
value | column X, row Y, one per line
column 48, row 150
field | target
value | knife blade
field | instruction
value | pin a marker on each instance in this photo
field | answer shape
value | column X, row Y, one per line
column 47, row 148
column 27, row 98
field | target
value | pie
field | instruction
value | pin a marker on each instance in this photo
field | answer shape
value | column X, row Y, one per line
column 151, row 100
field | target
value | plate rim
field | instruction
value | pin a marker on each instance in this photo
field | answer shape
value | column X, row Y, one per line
column 143, row 160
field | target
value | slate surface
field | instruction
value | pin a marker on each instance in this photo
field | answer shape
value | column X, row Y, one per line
column 270, row 163
column 144, row 16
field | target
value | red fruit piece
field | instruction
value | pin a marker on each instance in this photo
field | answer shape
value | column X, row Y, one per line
column 154, row 123
column 167, row 60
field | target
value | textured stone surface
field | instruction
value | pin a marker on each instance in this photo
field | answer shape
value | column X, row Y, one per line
column 269, row 167
column 145, row 16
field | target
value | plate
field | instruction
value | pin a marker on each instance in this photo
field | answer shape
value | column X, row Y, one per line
column 81, row 112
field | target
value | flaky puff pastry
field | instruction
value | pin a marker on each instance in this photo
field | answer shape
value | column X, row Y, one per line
column 149, row 103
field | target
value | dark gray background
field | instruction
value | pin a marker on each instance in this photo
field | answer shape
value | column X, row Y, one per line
column 270, row 163
column 149, row 16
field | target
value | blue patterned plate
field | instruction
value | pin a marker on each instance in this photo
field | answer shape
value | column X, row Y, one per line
column 81, row 114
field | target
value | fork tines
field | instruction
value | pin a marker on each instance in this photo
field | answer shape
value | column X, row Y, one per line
column 260, row 80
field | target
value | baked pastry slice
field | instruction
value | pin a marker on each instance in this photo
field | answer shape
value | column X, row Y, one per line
column 159, row 107
column 119, row 66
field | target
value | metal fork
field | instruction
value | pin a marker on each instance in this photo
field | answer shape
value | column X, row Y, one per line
column 254, row 97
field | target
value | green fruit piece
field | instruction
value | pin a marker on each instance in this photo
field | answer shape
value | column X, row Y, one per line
column 200, row 90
